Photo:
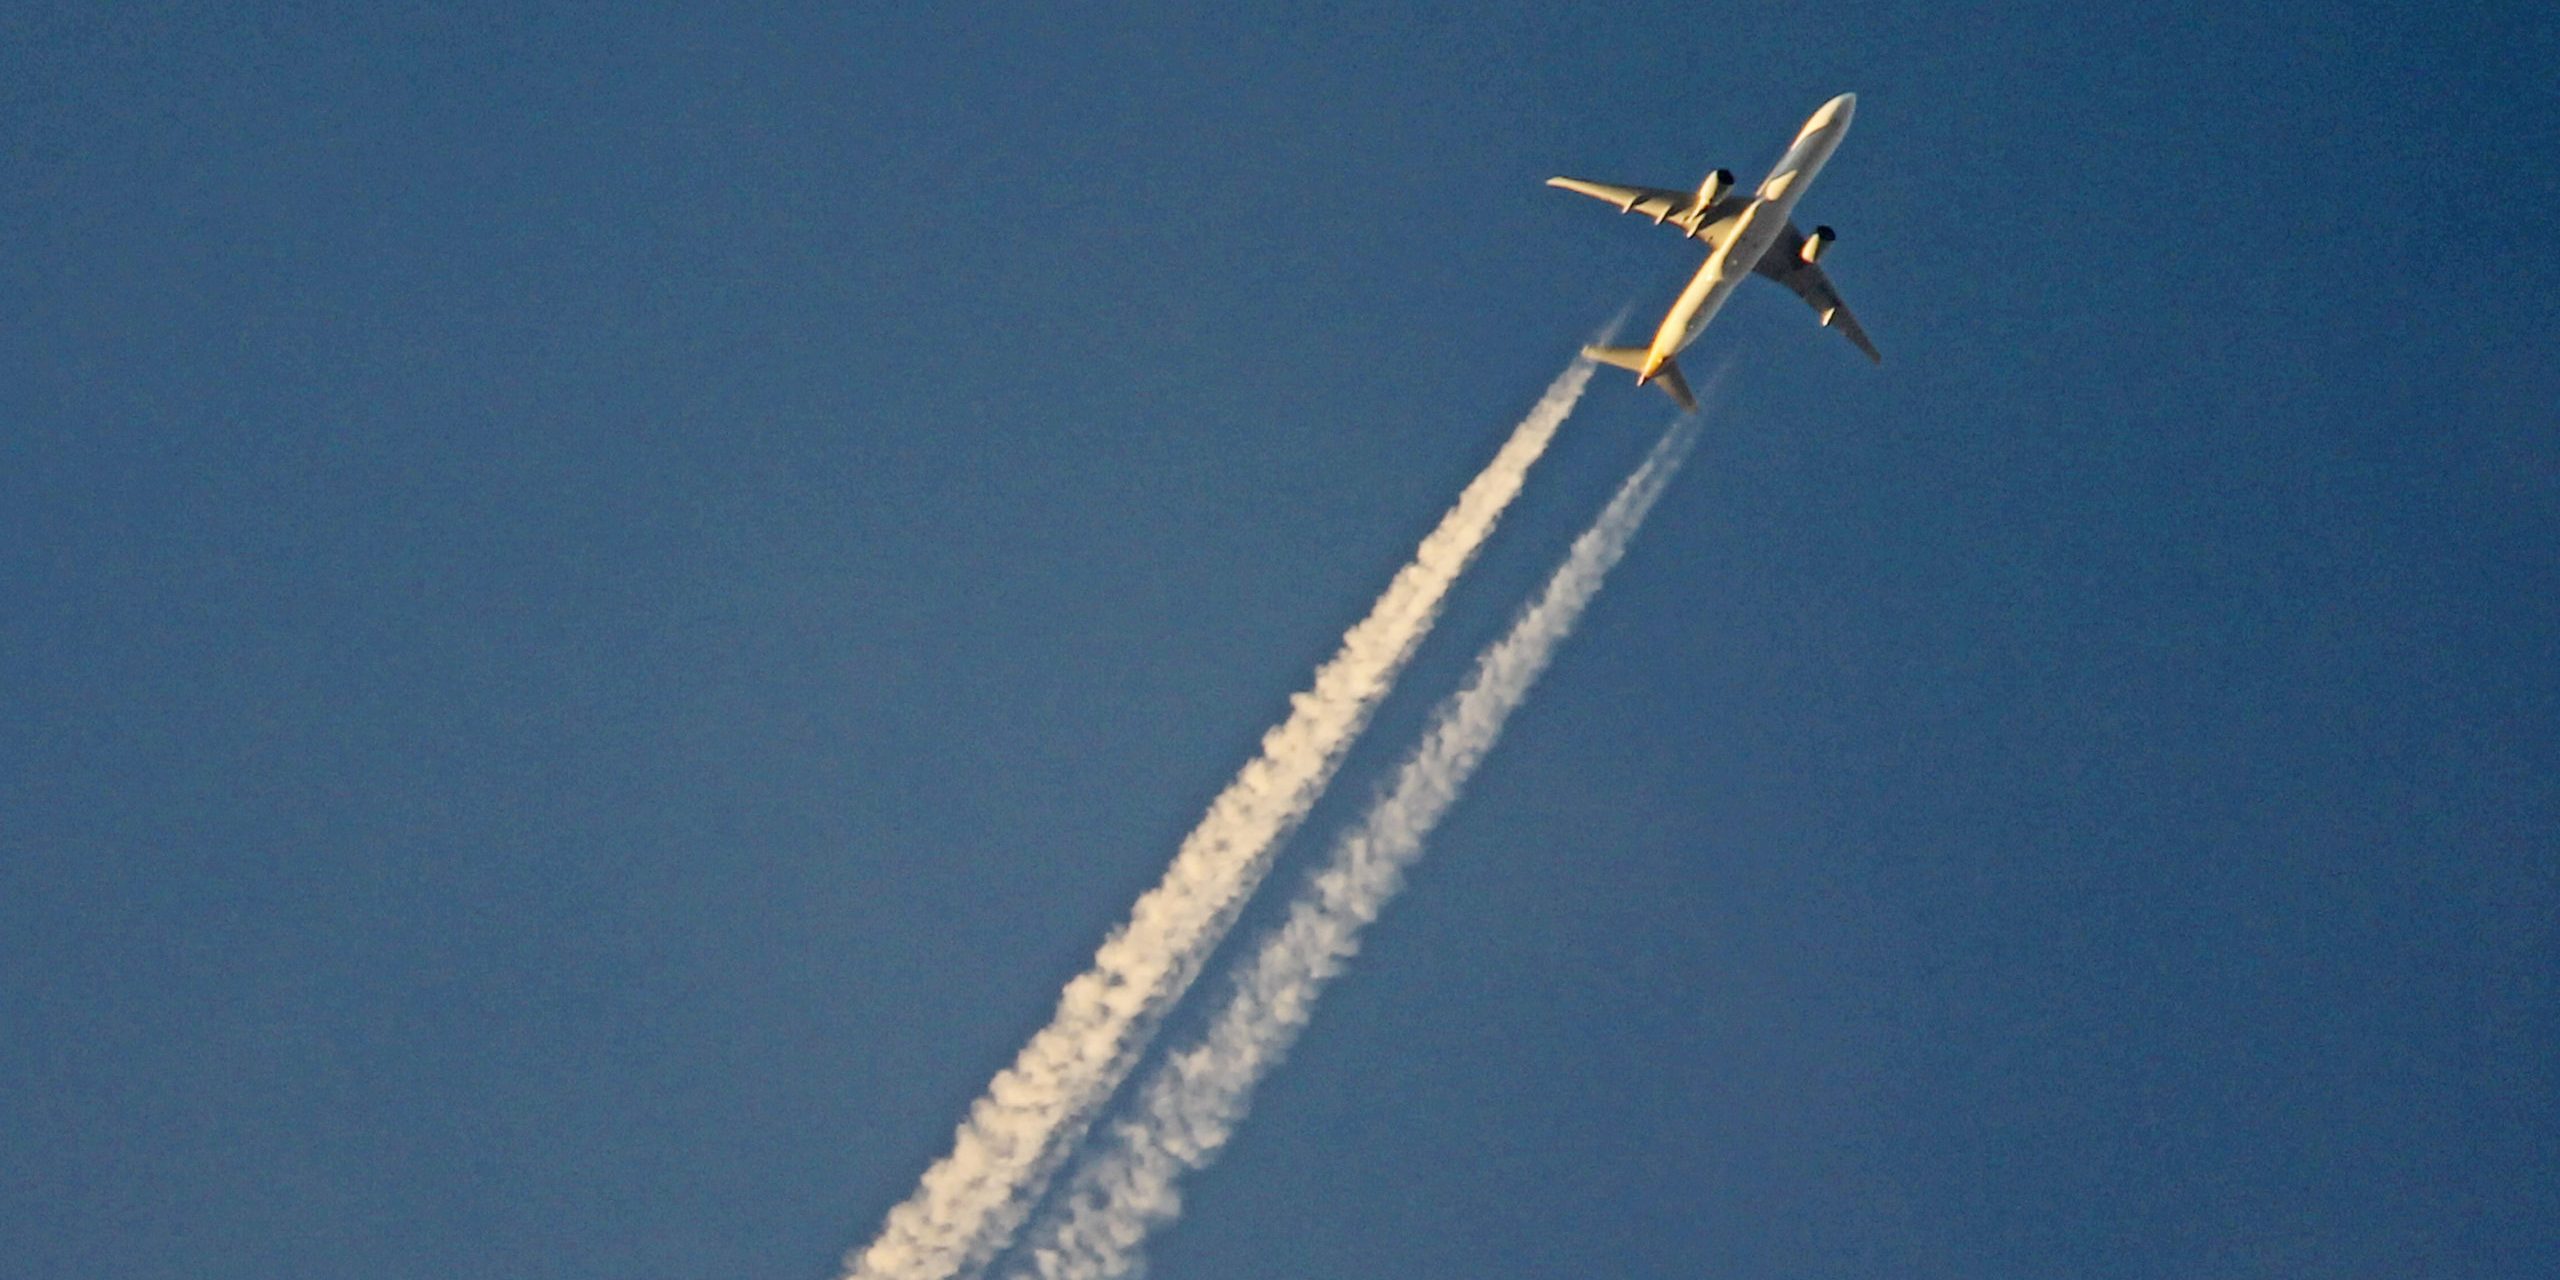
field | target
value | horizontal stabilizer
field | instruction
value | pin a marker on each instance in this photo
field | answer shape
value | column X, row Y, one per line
column 1623, row 357
column 1666, row 376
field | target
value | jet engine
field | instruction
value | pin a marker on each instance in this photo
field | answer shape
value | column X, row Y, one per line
column 1714, row 187
column 1817, row 242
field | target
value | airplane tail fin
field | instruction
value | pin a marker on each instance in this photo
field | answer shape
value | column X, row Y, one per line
column 1667, row 376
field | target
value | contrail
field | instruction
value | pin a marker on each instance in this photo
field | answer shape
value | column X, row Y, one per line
column 1192, row 1102
column 1035, row 1112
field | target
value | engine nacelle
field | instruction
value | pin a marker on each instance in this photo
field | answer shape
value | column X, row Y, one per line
column 1714, row 187
column 1817, row 242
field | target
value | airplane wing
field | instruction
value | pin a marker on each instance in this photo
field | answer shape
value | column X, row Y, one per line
column 1663, row 204
column 1656, row 203
column 1784, row 263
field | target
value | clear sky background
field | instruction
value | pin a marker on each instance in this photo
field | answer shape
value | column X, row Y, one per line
column 597, row 606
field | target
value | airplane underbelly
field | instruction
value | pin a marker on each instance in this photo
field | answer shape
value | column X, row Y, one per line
column 1696, row 323
column 1723, row 270
column 1697, row 305
column 1754, row 243
column 1715, row 280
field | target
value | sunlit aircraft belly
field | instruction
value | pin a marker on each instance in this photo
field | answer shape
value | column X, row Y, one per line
column 1757, row 225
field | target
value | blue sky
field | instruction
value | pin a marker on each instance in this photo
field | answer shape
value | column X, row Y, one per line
column 603, row 603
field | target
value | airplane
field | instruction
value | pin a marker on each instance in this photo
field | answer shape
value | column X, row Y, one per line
column 1746, row 234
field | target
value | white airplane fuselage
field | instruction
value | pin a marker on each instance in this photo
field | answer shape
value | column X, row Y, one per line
column 1758, row 225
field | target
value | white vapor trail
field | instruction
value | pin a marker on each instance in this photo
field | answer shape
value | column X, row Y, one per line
column 1035, row 1112
column 1187, row 1109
